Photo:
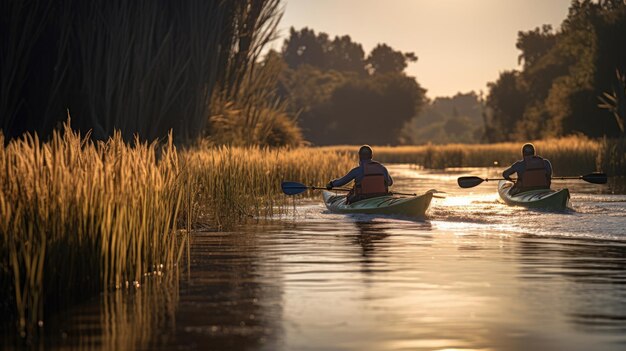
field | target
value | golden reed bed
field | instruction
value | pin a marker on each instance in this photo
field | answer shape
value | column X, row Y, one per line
column 77, row 217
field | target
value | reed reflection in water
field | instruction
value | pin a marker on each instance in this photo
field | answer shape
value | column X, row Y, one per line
column 123, row 319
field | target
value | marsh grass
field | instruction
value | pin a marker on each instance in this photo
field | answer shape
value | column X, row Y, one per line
column 232, row 183
column 569, row 155
column 254, row 114
column 78, row 217
column 143, row 67
column 612, row 157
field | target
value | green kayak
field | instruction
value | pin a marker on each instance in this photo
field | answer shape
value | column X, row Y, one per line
column 411, row 206
column 544, row 198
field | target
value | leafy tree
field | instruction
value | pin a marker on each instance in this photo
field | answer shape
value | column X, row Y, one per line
column 383, row 59
column 373, row 110
column 346, row 56
column 304, row 47
column 535, row 44
column 564, row 73
column 342, row 98
column 504, row 106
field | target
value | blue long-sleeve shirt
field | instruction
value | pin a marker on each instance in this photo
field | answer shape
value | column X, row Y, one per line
column 356, row 174
column 519, row 167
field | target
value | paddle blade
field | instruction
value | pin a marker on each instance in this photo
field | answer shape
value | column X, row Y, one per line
column 293, row 188
column 469, row 182
column 436, row 193
column 595, row 178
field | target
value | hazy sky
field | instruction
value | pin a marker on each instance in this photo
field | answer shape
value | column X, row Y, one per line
column 461, row 44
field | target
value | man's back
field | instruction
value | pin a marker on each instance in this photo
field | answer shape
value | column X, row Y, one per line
column 370, row 178
column 533, row 172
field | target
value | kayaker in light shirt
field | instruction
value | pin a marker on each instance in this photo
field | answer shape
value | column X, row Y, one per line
column 533, row 172
column 371, row 178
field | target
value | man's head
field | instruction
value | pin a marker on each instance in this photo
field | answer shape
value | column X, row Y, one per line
column 528, row 150
column 365, row 153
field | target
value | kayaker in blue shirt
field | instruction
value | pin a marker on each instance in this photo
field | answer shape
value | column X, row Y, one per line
column 371, row 178
column 533, row 172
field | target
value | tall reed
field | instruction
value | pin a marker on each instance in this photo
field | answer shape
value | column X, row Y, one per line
column 77, row 217
column 612, row 156
column 253, row 114
column 232, row 183
column 141, row 67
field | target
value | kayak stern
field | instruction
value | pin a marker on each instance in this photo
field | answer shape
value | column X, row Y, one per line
column 543, row 198
column 412, row 206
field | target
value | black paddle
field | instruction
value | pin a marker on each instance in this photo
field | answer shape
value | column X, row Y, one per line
column 294, row 188
column 470, row 182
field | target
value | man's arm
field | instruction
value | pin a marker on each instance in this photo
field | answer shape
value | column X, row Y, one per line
column 548, row 166
column 345, row 179
column 388, row 179
column 513, row 169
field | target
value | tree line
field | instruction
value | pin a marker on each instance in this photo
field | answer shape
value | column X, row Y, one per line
column 443, row 120
column 342, row 96
column 571, row 80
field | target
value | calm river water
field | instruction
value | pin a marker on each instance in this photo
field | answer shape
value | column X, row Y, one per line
column 476, row 275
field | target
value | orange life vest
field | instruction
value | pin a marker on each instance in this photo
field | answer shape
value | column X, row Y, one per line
column 535, row 175
column 373, row 182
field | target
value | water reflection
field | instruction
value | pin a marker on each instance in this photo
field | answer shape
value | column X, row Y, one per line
column 616, row 185
column 232, row 300
column 371, row 233
column 591, row 273
column 368, row 234
column 123, row 319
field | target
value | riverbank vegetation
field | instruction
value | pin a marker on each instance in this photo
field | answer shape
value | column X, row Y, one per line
column 233, row 183
column 85, row 214
column 569, row 155
column 78, row 216
column 447, row 120
column 141, row 68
